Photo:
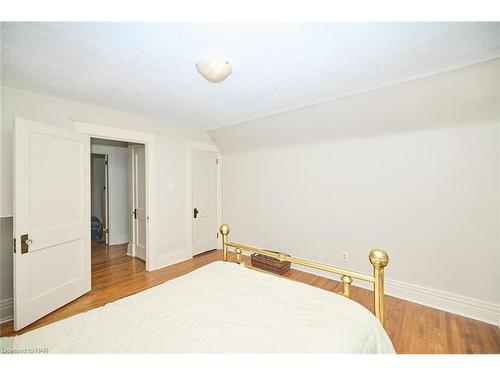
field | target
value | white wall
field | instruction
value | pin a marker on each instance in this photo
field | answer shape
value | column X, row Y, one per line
column 170, row 160
column 119, row 210
column 462, row 97
column 430, row 195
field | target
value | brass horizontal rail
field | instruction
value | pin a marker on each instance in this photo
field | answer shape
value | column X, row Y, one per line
column 378, row 258
column 303, row 262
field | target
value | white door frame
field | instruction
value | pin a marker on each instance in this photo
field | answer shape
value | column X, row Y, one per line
column 192, row 145
column 149, row 141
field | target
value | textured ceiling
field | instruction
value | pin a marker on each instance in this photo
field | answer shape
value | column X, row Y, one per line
column 149, row 68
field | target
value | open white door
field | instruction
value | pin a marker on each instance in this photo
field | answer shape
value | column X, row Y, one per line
column 140, row 216
column 204, row 190
column 51, row 219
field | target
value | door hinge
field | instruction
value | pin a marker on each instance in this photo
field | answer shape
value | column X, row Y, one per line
column 105, row 162
column 217, row 234
column 14, row 245
column 135, row 213
column 217, row 161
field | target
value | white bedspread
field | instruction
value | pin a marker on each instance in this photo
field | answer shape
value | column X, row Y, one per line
column 220, row 308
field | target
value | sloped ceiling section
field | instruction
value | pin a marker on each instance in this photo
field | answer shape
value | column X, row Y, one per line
column 149, row 68
column 467, row 96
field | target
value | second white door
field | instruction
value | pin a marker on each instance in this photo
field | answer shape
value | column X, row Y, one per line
column 140, row 215
column 204, row 210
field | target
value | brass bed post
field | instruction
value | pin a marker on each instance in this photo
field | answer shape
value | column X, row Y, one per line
column 346, row 282
column 238, row 255
column 379, row 259
column 224, row 230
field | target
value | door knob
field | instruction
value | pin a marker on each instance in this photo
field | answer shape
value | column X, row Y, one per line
column 195, row 213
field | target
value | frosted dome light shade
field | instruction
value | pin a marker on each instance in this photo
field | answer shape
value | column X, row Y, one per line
column 214, row 70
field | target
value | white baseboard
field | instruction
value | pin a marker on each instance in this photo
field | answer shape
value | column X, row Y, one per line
column 168, row 259
column 438, row 299
column 129, row 250
column 6, row 310
column 453, row 303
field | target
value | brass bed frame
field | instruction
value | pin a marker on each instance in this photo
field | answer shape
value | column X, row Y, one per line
column 378, row 258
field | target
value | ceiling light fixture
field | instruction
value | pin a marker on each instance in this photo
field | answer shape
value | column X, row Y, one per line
column 214, row 70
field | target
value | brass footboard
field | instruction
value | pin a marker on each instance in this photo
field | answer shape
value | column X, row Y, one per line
column 378, row 258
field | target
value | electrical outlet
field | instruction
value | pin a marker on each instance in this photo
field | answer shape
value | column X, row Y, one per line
column 344, row 256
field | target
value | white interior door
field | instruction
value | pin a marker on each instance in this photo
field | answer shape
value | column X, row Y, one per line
column 204, row 190
column 140, row 216
column 51, row 219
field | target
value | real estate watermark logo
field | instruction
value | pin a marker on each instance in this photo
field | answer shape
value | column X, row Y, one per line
column 40, row 350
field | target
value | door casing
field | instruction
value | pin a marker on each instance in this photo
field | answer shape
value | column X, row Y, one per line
column 149, row 142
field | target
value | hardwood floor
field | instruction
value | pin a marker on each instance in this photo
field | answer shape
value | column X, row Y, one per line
column 413, row 328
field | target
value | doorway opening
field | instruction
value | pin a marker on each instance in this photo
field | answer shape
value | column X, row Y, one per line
column 99, row 201
column 118, row 200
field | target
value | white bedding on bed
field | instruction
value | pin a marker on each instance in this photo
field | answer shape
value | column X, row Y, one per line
column 220, row 308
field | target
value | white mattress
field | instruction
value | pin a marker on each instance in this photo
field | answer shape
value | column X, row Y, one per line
column 220, row 308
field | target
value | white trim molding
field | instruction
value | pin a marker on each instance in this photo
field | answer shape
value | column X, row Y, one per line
column 192, row 145
column 6, row 310
column 453, row 303
column 149, row 141
column 438, row 299
column 115, row 133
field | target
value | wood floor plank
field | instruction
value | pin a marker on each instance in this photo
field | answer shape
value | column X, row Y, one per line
column 413, row 328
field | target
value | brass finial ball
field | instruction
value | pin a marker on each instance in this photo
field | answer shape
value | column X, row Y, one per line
column 379, row 258
column 224, row 229
column 346, row 279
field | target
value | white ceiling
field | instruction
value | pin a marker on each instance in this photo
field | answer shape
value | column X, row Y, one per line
column 149, row 68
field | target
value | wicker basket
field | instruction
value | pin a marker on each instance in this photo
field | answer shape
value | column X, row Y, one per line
column 270, row 264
